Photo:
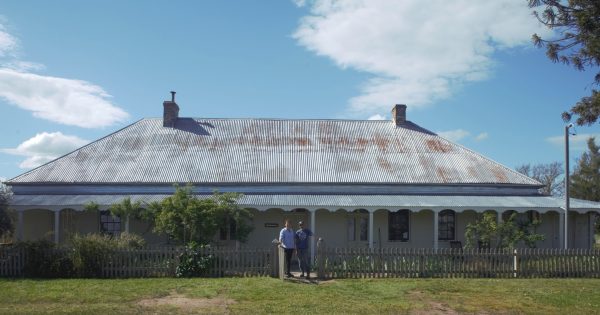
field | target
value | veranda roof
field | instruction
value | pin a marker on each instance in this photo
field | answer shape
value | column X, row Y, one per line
column 333, row 202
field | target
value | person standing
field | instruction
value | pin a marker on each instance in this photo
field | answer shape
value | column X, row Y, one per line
column 302, row 251
column 288, row 242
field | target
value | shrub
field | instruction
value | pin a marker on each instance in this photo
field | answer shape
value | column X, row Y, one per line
column 83, row 257
column 194, row 261
column 92, row 251
column 129, row 241
column 45, row 260
column 486, row 232
column 89, row 253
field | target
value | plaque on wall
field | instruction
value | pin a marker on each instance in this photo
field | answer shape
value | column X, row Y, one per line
column 271, row 225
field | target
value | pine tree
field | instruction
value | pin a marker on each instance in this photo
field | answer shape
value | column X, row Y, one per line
column 585, row 181
column 577, row 23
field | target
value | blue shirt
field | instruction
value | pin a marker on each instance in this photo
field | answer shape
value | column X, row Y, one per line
column 302, row 238
column 286, row 237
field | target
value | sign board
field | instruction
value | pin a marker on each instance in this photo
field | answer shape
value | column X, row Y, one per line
column 271, row 225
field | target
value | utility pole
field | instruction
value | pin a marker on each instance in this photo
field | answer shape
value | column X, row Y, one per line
column 566, row 240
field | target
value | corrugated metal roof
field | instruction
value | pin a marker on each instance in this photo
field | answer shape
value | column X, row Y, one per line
column 273, row 151
column 333, row 202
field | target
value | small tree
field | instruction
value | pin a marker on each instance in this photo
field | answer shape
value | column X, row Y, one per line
column 126, row 210
column 186, row 218
column 486, row 232
column 6, row 223
column 550, row 175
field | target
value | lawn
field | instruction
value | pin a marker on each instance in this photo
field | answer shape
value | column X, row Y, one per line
column 266, row 295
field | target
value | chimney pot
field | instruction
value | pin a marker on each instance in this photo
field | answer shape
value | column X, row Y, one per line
column 171, row 112
column 399, row 114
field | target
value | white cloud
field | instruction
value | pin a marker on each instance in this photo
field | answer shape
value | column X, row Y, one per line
column 24, row 66
column 66, row 101
column 417, row 51
column 482, row 136
column 35, row 161
column 454, row 135
column 377, row 117
column 8, row 44
column 45, row 147
column 576, row 142
column 299, row 3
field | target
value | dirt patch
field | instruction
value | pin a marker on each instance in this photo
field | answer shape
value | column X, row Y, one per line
column 199, row 305
column 326, row 282
column 431, row 307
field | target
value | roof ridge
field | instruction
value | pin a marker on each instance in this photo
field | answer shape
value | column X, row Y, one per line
column 279, row 119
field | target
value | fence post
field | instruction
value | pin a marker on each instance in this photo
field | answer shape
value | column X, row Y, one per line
column 281, row 258
column 275, row 260
column 515, row 262
column 320, row 258
column 421, row 252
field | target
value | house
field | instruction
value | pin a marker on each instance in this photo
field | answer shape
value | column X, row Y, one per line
column 357, row 183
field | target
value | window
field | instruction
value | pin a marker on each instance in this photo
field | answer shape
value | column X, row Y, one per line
column 228, row 233
column 109, row 224
column 446, row 224
column 358, row 225
column 398, row 224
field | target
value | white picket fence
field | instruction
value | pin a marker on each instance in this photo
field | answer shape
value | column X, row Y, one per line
column 456, row 263
column 344, row 262
column 160, row 262
column 12, row 261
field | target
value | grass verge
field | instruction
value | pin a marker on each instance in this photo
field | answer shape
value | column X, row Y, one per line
column 266, row 295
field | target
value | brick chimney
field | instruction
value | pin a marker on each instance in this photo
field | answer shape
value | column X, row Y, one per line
column 171, row 112
column 399, row 114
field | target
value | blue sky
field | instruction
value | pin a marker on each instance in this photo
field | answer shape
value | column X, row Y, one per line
column 74, row 71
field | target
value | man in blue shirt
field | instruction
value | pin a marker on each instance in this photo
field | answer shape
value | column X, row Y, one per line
column 302, row 250
column 287, row 241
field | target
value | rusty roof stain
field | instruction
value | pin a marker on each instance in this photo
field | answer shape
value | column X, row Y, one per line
column 203, row 150
column 443, row 175
column 435, row 145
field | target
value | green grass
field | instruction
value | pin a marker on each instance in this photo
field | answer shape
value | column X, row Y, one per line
column 266, row 295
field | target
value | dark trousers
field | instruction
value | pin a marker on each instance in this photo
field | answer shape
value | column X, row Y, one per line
column 303, row 260
column 288, row 258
